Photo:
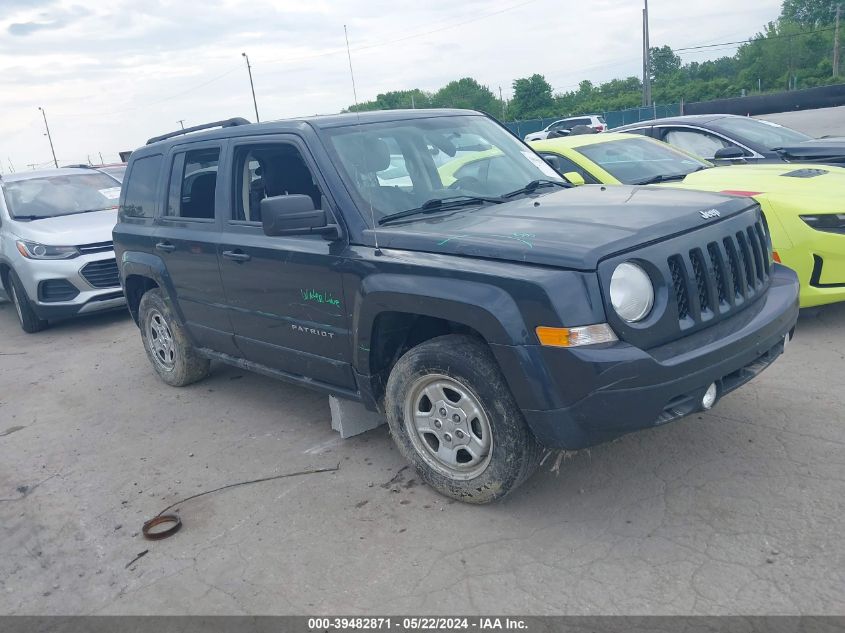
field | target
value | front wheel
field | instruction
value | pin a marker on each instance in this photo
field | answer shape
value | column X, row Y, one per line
column 173, row 357
column 452, row 415
column 29, row 321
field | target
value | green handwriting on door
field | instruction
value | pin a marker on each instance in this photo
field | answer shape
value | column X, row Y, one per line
column 316, row 296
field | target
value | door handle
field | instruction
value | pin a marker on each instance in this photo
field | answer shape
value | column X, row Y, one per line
column 166, row 247
column 236, row 256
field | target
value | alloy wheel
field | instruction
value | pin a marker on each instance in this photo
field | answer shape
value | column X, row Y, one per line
column 448, row 426
column 160, row 341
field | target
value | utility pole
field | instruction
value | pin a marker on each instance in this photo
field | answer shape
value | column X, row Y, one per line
column 49, row 138
column 502, row 99
column 252, row 87
column 102, row 162
column 836, row 42
column 182, row 123
column 646, row 59
column 11, row 166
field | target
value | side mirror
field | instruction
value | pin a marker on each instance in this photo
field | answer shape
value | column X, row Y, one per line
column 575, row 178
column 294, row 215
column 553, row 162
column 729, row 153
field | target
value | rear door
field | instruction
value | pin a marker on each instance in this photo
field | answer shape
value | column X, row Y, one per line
column 186, row 239
column 284, row 293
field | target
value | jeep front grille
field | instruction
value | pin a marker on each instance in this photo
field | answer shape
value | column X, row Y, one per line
column 102, row 274
column 721, row 276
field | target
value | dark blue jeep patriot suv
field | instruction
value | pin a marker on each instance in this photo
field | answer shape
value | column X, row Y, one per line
column 431, row 266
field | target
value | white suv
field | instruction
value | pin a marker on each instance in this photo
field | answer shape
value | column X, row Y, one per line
column 56, row 253
column 594, row 121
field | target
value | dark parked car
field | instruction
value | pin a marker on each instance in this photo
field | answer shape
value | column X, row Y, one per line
column 727, row 138
column 488, row 319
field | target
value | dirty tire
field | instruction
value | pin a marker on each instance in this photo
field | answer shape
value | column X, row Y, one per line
column 170, row 352
column 29, row 321
column 514, row 455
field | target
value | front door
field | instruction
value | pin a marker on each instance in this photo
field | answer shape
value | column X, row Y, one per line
column 186, row 239
column 285, row 293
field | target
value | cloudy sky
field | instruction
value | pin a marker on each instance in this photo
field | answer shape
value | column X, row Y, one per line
column 112, row 73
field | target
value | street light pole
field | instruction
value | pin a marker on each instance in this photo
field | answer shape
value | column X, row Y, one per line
column 646, row 59
column 49, row 138
column 252, row 87
column 182, row 123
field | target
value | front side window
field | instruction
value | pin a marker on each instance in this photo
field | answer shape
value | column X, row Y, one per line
column 400, row 165
column 567, row 165
column 764, row 133
column 65, row 194
column 140, row 198
column 695, row 142
column 193, row 184
column 639, row 160
column 265, row 171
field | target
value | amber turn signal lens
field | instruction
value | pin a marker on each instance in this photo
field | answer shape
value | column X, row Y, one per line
column 575, row 336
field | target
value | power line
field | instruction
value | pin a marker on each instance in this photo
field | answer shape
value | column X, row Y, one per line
column 313, row 56
column 752, row 40
column 364, row 47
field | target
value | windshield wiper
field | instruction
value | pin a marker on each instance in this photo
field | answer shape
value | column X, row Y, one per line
column 86, row 211
column 435, row 205
column 653, row 180
column 532, row 186
column 29, row 218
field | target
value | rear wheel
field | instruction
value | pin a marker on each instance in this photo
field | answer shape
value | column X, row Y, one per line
column 451, row 413
column 26, row 315
column 173, row 357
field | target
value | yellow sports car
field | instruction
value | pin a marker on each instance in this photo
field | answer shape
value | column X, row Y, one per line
column 804, row 204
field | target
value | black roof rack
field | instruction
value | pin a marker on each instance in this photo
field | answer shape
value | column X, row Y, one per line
column 205, row 126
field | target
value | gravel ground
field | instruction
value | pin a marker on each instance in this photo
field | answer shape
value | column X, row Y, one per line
column 735, row 511
column 825, row 122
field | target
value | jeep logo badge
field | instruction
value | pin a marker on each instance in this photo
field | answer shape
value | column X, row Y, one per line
column 709, row 215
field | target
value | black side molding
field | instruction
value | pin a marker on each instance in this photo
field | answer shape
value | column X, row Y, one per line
column 205, row 126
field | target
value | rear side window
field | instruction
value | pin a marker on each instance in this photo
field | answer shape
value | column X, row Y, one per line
column 140, row 198
column 193, row 184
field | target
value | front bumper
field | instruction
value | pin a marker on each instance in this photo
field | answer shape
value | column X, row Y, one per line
column 33, row 274
column 620, row 388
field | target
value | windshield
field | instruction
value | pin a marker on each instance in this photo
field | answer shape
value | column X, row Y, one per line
column 117, row 171
column 764, row 133
column 401, row 165
column 52, row 196
column 637, row 160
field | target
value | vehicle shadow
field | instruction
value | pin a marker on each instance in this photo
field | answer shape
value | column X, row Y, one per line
column 83, row 323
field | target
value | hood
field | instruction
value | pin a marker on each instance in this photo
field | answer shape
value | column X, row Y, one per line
column 825, row 150
column 811, row 180
column 69, row 230
column 571, row 228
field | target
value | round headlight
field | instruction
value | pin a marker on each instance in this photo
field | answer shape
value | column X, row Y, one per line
column 631, row 292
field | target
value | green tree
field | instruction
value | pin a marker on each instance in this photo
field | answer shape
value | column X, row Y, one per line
column 467, row 93
column 664, row 64
column 808, row 13
column 532, row 98
column 395, row 100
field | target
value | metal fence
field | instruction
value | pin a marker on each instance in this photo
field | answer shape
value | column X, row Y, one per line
column 614, row 119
